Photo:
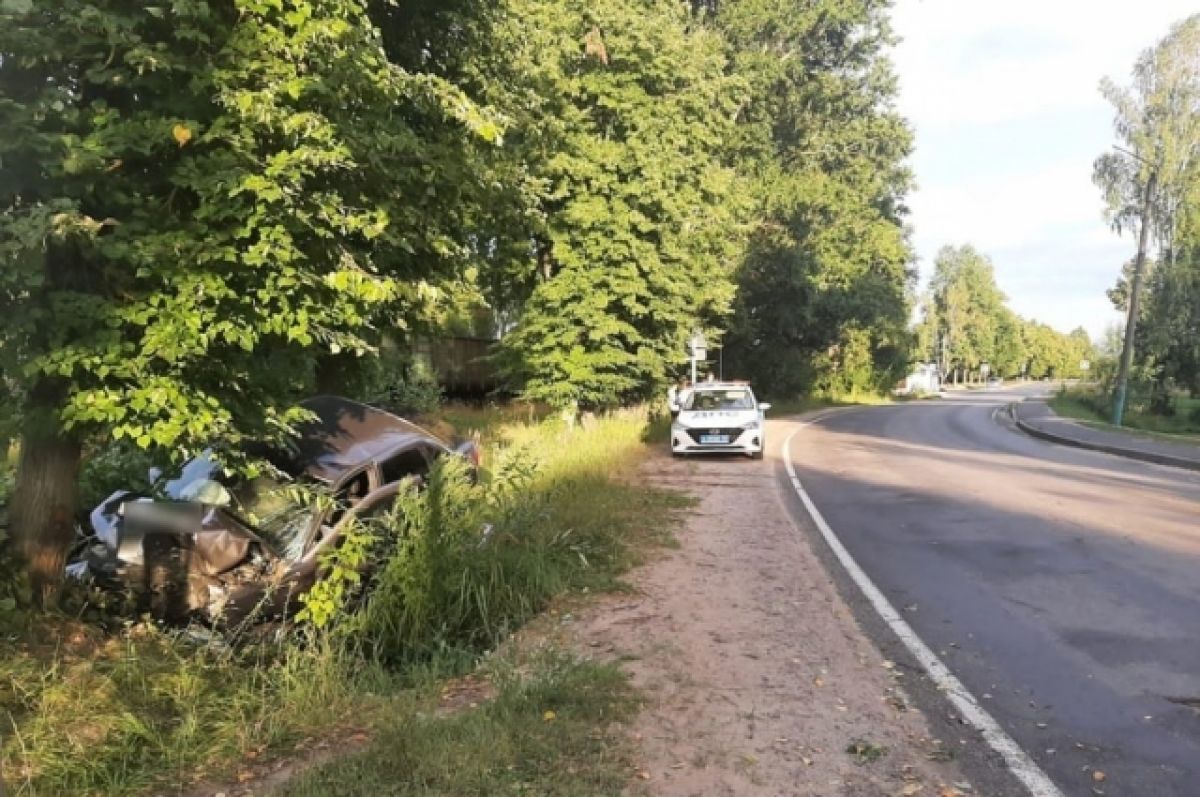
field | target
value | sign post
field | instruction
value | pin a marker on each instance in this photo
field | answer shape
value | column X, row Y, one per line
column 699, row 351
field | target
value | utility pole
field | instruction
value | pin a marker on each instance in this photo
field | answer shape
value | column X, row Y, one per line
column 1135, row 292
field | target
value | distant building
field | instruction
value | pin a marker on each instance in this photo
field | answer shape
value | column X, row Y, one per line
column 924, row 378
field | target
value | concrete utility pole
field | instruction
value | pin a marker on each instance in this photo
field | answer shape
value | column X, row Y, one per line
column 1135, row 292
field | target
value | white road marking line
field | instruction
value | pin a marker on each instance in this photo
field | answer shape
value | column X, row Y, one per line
column 1023, row 767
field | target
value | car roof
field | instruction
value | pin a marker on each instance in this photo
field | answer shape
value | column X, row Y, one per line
column 347, row 434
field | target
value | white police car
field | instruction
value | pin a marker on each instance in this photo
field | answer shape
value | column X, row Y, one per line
column 719, row 418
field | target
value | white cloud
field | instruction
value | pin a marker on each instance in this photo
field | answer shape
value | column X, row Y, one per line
column 975, row 62
column 1012, row 209
column 1003, row 98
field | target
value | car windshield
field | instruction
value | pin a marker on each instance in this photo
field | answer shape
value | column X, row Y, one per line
column 271, row 506
column 723, row 399
column 277, row 512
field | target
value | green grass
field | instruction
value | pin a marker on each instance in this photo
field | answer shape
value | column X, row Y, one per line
column 1092, row 406
column 146, row 711
column 803, row 404
column 548, row 731
column 113, row 716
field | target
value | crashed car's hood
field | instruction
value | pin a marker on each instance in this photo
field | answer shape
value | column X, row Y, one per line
column 216, row 539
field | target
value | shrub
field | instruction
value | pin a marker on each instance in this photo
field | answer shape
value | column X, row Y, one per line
column 457, row 564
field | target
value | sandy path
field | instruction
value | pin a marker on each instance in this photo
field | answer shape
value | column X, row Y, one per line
column 758, row 676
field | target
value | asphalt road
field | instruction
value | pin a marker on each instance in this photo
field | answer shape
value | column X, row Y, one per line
column 1061, row 586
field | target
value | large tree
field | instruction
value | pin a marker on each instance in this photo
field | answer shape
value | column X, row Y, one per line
column 622, row 117
column 1146, row 179
column 196, row 202
column 967, row 312
column 823, row 292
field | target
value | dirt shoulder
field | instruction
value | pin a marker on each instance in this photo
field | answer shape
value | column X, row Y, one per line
column 758, row 679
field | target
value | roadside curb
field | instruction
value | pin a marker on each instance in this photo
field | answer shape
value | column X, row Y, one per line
column 1074, row 442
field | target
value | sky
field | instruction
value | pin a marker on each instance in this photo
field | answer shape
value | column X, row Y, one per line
column 1004, row 100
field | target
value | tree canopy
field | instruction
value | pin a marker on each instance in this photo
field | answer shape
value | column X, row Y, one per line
column 198, row 200
column 1153, row 180
column 967, row 325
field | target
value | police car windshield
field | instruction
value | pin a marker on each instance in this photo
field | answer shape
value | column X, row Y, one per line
column 723, row 399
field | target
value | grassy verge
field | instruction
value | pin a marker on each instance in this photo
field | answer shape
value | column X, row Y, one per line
column 802, row 404
column 1093, row 406
column 548, row 731
column 145, row 710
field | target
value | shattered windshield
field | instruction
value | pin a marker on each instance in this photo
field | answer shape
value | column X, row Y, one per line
column 278, row 512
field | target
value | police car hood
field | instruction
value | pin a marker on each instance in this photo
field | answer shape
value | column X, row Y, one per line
column 717, row 418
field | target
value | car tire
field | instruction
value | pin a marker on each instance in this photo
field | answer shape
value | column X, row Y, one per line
column 757, row 454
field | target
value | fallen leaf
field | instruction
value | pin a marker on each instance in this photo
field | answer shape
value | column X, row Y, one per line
column 911, row 789
column 1099, row 776
column 549, row 716
column 244, row 775
column 643, row 774
column 818, row 681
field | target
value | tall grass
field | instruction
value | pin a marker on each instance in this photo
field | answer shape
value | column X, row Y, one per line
column 471, row 562
column 120, row 715
column 84, row 712
column 1093, row 404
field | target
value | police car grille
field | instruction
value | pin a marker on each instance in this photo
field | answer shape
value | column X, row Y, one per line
column 732, row 434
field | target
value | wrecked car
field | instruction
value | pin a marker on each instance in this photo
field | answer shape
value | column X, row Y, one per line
column 227, row 550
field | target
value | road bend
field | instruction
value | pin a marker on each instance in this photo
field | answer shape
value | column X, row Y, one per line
column 1061, row 586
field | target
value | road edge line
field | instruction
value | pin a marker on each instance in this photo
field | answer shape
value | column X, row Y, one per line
column 1023, row 767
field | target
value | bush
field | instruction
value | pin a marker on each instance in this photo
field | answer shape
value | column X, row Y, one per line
column 462, row 564
column 459, row 565
column 410, row 390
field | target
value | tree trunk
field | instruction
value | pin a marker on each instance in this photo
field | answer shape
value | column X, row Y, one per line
column 46, row 494
column 1135, row 292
